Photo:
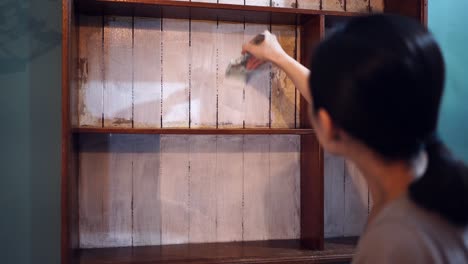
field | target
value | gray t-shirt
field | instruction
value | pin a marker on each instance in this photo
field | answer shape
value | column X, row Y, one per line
column 406, row 233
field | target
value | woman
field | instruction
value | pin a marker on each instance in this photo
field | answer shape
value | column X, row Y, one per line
column 375, row 91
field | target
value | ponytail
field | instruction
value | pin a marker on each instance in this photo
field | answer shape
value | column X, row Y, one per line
column 444, row 187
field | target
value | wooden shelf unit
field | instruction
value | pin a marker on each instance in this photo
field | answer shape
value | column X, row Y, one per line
column 312, row 29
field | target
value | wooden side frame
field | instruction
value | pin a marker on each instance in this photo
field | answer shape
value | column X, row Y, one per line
column 69, row 159
column 312, row 171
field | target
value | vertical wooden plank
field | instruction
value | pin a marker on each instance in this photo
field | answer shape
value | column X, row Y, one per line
column 257, row 89
column 334, row 171
column 234, row 2
column 204, row 71
column 106, row 191
column 377, row 5
column 118, row 191
column 256, row 182
column 202, row 205
column 147, row 72
column 90, row 71
column 309, row 4
column 356, row 201
column 230, row 92
column 229, row 186
column 146, row 183
column 257, row 2
column 298, row 93
column 175, row 72
column 283, row 91
column 312, row 218
column 205, row 1
column 333, row 5
column 284, row 210
column 283, row 3
column 357, row 6
column 174, row 189
column 311, row 34
column 93, row 172
column 118, row 71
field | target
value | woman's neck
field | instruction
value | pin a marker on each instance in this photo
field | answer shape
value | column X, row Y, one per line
column 387, row 181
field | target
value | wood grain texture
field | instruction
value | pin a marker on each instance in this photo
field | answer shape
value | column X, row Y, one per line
column 174, row 189
column 283, row 91
column 333, row 5
column 229, row 186
column 234, row 2
column 257, row 2
column 256, row 188
column 205, row 1
column 377, row 5
column 309, row 4
column 90, row 74
column 118, row 71
column 334, row 208
column 299, row 59
column 284, row 251
column 146, row 189
column 106, row 191
column 284, row 187
column 175, row 64
column 203, row 99
column 147, row 72
column 356, row 201
column 198, row 131
column 257, row 88
column 93, row 168
column 230, row 92
column 312, row 197
column 202, row 205
column 357, row 5
column 283, row 3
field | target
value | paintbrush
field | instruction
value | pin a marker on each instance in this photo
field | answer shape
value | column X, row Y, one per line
column 237, row 68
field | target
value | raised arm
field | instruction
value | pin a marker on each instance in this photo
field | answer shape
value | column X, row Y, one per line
column 270, row 50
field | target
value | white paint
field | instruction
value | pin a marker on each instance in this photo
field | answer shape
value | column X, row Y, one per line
column 257, row 89
column 146, row 191
column 229, row 187
column 118, row 72
column 230, row 93
column 90, row 74
column 175, row 63
column 203, row 77
column 284, row 214
column 174, row 189
column 202, row 189
column 147, row 72
column 284, row 3
column 256, row 187
column 309, row 4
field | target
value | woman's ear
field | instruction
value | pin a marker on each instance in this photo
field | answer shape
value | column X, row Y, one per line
column 329, row 132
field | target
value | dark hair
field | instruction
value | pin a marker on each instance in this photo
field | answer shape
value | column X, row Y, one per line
column 381, row 79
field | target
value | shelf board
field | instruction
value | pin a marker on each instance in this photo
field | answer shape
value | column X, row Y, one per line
column 281, row 251
column 204, row 11
column 194, row 131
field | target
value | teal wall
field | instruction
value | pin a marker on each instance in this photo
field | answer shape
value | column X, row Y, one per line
column 448, row 22
column 30, row 76
column 30, row 53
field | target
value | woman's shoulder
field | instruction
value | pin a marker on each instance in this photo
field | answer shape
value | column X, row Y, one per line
column 406, row 233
